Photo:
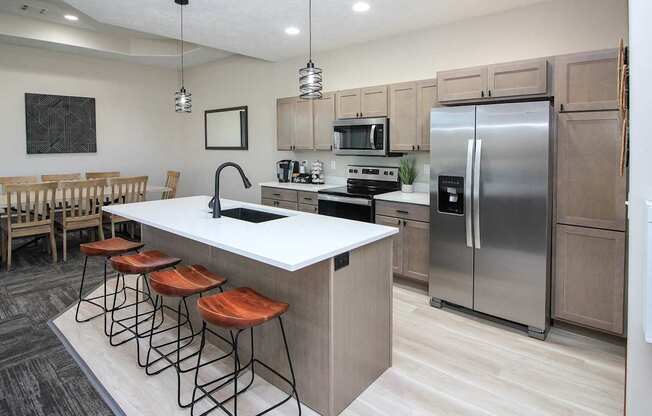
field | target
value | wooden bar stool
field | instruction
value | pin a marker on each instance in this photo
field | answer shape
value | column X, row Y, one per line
column 238, row 310
column 140, row 264
column 181, row 283
column 105, row 249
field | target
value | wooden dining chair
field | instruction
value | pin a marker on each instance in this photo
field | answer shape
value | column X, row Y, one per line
column 10, row 180
column 102, row 175
column 125, row 190
column 31, row 214
column 61, row 177
column 171, row 181
column 81, row 208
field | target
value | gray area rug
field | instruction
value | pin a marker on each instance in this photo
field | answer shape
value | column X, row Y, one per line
column 37, row 375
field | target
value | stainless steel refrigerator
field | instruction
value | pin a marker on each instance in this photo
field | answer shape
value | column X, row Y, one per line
column 490, row 210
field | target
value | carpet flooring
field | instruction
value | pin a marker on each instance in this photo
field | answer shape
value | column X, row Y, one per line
column 37, row 375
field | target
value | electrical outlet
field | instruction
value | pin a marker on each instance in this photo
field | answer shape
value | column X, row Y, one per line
column 426, row 169
column 333, row 164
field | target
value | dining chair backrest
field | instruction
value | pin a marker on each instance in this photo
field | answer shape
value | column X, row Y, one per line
column 32, row 204
column 102, row 175
column 7, row 180
column 127, row 189
column 61, row 177
column 82, row 200
column 171, row 181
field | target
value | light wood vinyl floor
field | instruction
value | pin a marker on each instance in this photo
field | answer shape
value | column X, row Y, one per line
column 448, row 363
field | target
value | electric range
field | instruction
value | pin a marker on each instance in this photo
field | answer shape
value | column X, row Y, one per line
column 355, row 201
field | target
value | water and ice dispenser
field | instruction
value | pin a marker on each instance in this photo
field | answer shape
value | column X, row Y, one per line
column 451, row 195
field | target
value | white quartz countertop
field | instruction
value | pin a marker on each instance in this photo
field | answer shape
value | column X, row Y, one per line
column 290, row 243
column 306, row 187
column 420, row 198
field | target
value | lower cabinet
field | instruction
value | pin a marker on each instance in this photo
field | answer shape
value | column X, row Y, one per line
column 411, row 246
column 589, row 282
column 289, row 199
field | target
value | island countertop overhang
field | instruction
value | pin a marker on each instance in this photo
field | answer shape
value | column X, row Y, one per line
column 292, row 243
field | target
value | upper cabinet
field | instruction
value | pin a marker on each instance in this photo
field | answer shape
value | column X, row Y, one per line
column 409, row 112
column 323, row 116
column 303, row 125
column 587, row 81
column 426, row 100
column 403, row 116
column 285, row 115
column 461, row 84
column 512, row 79
column 518, row 78
column 362, row 102
column 590, row 190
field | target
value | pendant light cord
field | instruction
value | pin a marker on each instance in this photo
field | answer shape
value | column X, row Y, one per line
column 182, row 83
column 310, row 30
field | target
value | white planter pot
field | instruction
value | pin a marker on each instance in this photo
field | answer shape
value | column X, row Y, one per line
column 407, row 188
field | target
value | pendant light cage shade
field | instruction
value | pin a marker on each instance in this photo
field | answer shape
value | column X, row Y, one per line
column 182, row 98
column 183, row 101
column 310, row 82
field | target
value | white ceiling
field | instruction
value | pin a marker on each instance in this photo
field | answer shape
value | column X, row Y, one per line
column 256, row 27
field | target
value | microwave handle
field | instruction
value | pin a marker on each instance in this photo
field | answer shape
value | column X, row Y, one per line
column 337, row 138
column 372, row 136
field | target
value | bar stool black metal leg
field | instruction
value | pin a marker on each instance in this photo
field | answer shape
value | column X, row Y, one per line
column 287, row 351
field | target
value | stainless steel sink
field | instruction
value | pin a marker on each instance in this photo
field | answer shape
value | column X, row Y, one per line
column 251, row 215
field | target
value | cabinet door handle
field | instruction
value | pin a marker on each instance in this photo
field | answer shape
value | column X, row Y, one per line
column 489, row 93
column 418, row 147
column 307, row 199
column 398, row 223
column 404, row 223
column 276, row 194
column 400, row 211
column 561, row 108
column 482, row 94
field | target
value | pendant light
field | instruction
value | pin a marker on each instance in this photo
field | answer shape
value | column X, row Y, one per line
column 310, row 77
column 182, row 98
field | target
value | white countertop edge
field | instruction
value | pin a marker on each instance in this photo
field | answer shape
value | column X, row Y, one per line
column 417, row 198
column 286, row 266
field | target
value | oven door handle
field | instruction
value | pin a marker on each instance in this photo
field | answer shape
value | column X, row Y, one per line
column 345, row 200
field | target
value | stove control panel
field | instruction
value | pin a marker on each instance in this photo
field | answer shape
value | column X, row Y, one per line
column 373, row 173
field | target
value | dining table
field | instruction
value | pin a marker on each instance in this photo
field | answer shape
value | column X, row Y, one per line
column 58, row 197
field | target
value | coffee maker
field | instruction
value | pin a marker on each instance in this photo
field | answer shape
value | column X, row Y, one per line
column 286, row 170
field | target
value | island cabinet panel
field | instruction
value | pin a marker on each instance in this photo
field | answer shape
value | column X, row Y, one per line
column 338, row 325
column 308, row 208
column 373, row 101
column 589, row 283
column 590, row 190
column 303, row 125
column 403, row 116
column 587, row 81
column 348, row 103
column 462, row 84
column 285, row 115
column 518, row 78
column 397, row 250
column 323, row 116
column 308, row 198
column 426, row 100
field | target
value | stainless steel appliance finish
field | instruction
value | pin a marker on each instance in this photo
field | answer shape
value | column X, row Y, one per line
column 355, row 201
column 361, row 137
column 494, row 257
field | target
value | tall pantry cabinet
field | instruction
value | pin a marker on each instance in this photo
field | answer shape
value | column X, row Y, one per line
column 590, row 230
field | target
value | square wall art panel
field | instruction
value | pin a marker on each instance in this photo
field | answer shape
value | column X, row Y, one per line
column 60, row 124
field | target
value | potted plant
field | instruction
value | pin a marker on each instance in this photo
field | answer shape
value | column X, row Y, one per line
column 407, row 171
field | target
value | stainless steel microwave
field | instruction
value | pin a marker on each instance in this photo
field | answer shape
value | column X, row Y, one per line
column 361, row 136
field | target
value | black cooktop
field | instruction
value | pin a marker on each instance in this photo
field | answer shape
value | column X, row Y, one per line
column 362, row 190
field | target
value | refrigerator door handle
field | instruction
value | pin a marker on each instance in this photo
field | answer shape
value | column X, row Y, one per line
column 467, row 194
column 476, row 192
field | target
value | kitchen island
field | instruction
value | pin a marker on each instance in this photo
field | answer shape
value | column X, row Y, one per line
column 336, row 275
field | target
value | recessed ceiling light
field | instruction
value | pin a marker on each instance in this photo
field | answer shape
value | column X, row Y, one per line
column 292, row 31
column 71, row 17
column 361, row 7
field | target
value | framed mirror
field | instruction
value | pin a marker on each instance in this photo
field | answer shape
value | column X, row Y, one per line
column 226, row 128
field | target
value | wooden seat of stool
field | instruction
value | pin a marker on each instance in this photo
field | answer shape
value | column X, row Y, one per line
column 239, row 308
column 143, row 263
column 185, row 281
column 110, row 247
